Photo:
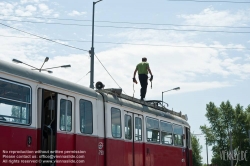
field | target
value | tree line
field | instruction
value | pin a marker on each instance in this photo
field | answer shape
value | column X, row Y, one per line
column 228, row 133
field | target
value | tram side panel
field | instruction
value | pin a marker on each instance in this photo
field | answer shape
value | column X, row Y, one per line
column 164, row 142
column 138, row 140
column 17, row 121
column 87, row 126
column 127, row 129
column 114, row 136
column 101, row 128
column 71, row 125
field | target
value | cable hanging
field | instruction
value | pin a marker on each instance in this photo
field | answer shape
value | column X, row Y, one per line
column 43, row 38
column 209, row 1
column 126, row 22
column 109, row 73
column 120, row 27
column 140, row 44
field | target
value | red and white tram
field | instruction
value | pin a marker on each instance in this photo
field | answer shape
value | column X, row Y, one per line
column 45, row 120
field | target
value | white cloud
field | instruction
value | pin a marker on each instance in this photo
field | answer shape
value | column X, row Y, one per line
column 31, row 8
column 43, row 7
column 175, row 65
column 212, row 17
column 171, row 66
column 63, row 42
column 6, row 8
column 22, row 12
column 22, row 9
column 19, row 47
column 29, row 1
column 56, row 15
column 76, row 13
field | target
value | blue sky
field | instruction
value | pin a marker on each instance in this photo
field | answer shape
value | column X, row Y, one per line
column 186, row 56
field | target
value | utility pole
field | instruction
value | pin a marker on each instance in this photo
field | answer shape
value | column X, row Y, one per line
column 249, row 136
column 231, row 149
column 92, row 52
column 207, row 151
column 206, row 146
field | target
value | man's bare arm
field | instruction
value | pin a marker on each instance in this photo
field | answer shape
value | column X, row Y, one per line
column 150, row 71
column 135, row 72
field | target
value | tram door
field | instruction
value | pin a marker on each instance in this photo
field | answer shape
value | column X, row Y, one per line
column 128, row 144
column 47, row 117
column 133, row 149
column 56, row 124
column 138, row 140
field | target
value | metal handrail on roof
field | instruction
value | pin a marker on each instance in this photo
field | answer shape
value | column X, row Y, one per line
column 156, row 104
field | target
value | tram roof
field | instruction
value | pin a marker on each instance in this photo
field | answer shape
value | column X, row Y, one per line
column 144, row 106
column 45, row 78
column 109, row 97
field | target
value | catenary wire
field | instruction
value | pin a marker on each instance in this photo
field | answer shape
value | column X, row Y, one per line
column 83, row 77
column 64, row 45
column 109, row 73
column 160, row 45
column 123, row 27
column 125, row 22
column 51, row 18
column 43, row 38
column 208, row 1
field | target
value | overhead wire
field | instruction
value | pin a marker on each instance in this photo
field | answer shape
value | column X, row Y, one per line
column 83, row 77
column 164, row 29
column 123, row 27
column 141, row 44
column 183, row 25
column 209, row 1
column 109, row 73
column 107, row 42
column 64, row 45
column 125, row 22
column 51, row 18
column 43, row 38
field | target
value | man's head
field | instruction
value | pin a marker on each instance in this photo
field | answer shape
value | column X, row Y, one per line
column 144, row 59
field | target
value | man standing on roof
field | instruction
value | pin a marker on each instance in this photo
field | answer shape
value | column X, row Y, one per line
column 143, row 69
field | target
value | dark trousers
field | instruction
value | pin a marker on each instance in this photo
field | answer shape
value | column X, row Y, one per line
column 144, row 83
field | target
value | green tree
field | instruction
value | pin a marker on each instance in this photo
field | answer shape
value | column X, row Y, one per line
column 223, row 120
column 196, row 148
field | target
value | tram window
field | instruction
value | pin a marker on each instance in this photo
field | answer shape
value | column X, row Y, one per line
column 178, row 135
column 128, row 127
column 116, row 123
column 138, row 129
column 153, row 130
column 166, row 133
column 65, row 115
column 15, row 102
column 86, row 117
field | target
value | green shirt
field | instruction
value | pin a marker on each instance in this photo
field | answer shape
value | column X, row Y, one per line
column 142, row 68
